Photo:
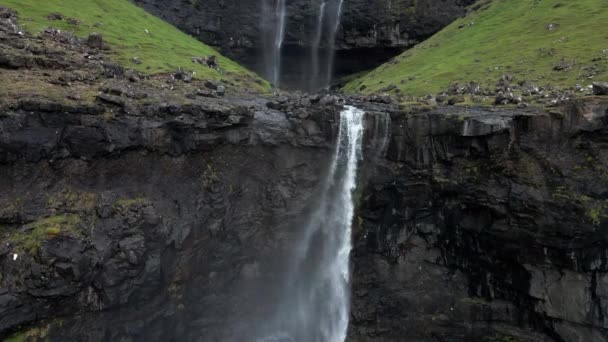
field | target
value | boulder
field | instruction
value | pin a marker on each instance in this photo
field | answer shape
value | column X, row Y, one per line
column 600, row 88
column 211, row 84
column 95, row 41
column 221, row 90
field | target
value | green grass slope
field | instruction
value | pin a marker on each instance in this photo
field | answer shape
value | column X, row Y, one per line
column 123, row 26
column 504, row 37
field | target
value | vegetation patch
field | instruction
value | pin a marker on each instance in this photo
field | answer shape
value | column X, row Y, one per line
column 131, row 33
column 562, row 43
column 33, row 235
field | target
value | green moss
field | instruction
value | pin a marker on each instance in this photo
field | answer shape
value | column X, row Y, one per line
column 33, row 334
column 73, row 200
column 596, row 210
column 123, row 26
column 35, row 234
column 129, row 202
column 506, row 37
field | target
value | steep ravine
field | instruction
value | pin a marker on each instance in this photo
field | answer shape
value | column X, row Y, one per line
column 370, row 32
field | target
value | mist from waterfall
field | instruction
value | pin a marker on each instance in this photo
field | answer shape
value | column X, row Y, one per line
column 274, row 20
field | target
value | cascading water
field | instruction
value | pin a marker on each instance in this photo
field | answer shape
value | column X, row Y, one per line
column 274, row 34
column 315, row 304
column 314, row 80
column 334, row 25
column 328, row 22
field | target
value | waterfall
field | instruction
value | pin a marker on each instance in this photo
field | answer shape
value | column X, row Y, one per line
column 315, row 305
column 273, row 35
column 334, row 25
column 314, row 80
column 322, row 46
column 330, row 13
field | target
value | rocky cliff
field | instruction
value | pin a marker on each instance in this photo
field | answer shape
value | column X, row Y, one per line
column 161, row 208
column 486, row 226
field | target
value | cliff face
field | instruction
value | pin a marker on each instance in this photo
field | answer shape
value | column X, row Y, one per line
column 169, row 216
column 488, row 228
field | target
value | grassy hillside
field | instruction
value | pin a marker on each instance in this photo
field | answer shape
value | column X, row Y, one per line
column 504, row 37
column 123, row 25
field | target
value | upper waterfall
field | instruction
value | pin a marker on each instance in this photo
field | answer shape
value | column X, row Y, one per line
column 319, row 68
column 273, row 31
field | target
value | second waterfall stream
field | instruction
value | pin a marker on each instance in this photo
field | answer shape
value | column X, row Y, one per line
column 315, row 305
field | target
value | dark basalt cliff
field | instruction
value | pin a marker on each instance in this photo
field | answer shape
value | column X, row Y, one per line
column 167, row 217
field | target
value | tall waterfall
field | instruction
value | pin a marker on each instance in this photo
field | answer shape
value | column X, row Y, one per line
column 315, row 304
column 334, row 25
column 273, row 31
column 314, row 49
column 327, row 24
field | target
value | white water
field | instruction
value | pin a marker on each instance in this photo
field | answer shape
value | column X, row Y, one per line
column 328, row 22
column 316, row 302
column 335, row 24
column 274, row 34
column 316, row 43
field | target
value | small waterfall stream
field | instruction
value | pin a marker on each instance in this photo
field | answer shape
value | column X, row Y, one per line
column 323, row 43
column 273, row 31
column 314, row 49
column 334, row 25
column 327, row 24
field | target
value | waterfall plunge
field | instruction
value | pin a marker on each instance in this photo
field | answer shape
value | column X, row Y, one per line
column 315, row 305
